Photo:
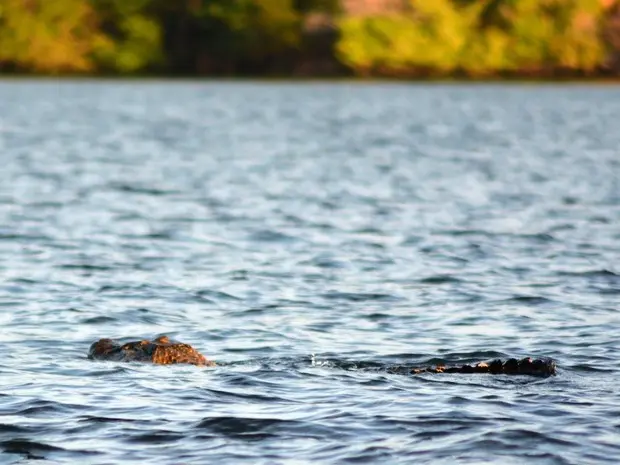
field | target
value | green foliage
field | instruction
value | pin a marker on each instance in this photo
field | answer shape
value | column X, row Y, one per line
column 258, row 28
column 135, row 35
column 137, row 47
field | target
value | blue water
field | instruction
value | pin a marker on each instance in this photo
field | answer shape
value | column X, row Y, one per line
column 306, row 237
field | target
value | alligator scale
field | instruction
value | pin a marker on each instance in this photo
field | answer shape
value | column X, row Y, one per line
column 163, row 351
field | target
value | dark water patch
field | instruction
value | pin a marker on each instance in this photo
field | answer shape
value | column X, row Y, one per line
column 86, row 267
column 529, row 300
column 465, row 232
column 28, row 448
column 293, row 219
column 562, row 227
column 24, row 237
column 378, row 316
column 600, row 219
column 114, row 420
column 26, row 281
column 322, row 327
column 128, row 216
column 123, row 289
column 14, row 429
column 600, row 273
column 139, row 315
column 155, row 437
column 369, row 231
column 35, row 408
column 208, row 294
column 138, row 189
column 569, row 200
column 440, row 279
column 238, row 275
column 531, row 437
column 580, row 367
column 537, row 237
column 249, row 428
column 98, row 320
column 45, row 204
column 605, row 290
column 234, row 397
column 269, row 236
column 324, row 262
column 359, row 296
column 369, row 454
column 411, row 241
column 111, row 368
column 255, row 311
column 260, row 347
column 155, row 236
column 40, row 410
column 10, row 303
column 58, row 245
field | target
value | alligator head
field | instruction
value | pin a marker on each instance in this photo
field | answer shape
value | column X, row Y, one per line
column 161, row 351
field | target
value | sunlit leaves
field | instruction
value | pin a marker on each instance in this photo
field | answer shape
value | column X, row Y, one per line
column 134, row 32
column 49, row 36
column 433, row 36
column 476, row 37
column 137, row 45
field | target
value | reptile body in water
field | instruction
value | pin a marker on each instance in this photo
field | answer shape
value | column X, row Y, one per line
column 163, row 351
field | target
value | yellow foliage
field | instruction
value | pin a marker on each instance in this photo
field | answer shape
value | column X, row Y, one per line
column 434, row 36
column 49, row 35
column 445, row 36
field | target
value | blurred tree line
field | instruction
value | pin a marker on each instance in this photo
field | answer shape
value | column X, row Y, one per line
column 262, row 37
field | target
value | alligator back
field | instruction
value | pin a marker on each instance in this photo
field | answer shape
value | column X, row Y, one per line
column 512, row 366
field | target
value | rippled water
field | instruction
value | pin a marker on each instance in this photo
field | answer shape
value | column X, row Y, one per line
column 306, row 236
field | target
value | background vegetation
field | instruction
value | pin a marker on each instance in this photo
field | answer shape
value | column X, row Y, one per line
column 310, row 37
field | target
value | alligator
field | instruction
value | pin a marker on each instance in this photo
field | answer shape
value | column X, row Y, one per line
column 163, row 351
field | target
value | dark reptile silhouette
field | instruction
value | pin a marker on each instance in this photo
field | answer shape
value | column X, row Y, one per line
column 163, row 351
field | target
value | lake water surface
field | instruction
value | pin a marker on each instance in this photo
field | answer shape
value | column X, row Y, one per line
column 307, row 236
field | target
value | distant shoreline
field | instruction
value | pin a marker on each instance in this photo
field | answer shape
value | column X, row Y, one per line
column 598, row 79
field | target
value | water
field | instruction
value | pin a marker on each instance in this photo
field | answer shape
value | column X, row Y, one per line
column 307, row 236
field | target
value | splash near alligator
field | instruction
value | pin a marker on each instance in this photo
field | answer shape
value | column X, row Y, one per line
column 163, row 351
